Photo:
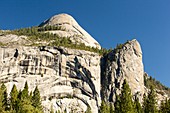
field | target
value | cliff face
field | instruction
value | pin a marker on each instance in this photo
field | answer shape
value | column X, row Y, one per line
column 69, row 78
column 125, row 62
column 72, row 80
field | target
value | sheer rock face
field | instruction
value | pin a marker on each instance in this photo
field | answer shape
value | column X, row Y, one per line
column 69, row 78
column 125, row 63
column 71, row 29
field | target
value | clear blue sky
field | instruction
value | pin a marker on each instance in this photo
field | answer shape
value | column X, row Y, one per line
column 109, row 21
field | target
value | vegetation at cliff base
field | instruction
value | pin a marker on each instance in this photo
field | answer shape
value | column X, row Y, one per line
column 20, row 101
column 126, row 103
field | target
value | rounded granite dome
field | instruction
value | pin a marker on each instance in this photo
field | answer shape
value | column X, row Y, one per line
column 70, row 28
column 60, row 19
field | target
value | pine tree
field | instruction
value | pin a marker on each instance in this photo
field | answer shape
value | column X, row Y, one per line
column 103, row 107
column 126, row 105
column 25, row 106
column 137, row 104
column 5, row 103
column 150, row 102
column 1, row 98
column 36, row 99
column 117, row 104
column 25, row 92
column 144, row 102
column 165, row 107
column 111, row 108
column 13, row 98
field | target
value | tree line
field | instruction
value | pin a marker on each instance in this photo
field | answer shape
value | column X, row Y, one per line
column 125, row 103
column 35, row 34
column 24, row 102
column 20, row 101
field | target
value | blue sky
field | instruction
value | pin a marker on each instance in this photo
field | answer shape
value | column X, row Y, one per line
column 110, row 22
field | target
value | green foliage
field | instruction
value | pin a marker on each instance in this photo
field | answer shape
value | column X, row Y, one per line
column 88, row 110
column 36, row 99
column 111, row 108
column 14, row 98
column 137, row 104
column 19, row 102
column 150, row 102
column 38, row 34
column 165, row 106
column 117, row 104
column 25, row 92
column 151, row 82
column 104, row 108
column 4, row 97
column 1, row 44
column 126, row 105
column 50, row 28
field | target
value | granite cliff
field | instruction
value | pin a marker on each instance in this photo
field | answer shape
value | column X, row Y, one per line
column 71, row 79
column 125, row 62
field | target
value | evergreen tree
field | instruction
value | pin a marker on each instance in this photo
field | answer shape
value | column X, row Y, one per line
column 25, row 106
column 5, row 103
column 104, row 107
column 117, row 104
column 137, row 104
column 111, row 108
column 165, row 107
column 1, row 98
column 13, row 98
column 25, row 92
column 36, row 99
column 150, row 102
column 144, row 102
column 126, row 105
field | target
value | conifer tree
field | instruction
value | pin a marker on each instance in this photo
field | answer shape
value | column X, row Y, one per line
column 25, row 92
column 1, row 98
column 126, row 105
column 5, row 103
column 137, row 104
column 117, row 104
column 150, row 102
column 13, row 98
column 144, row 102
column 104, row 108
column 36, row 99
column 165, row 107
column 111, row 108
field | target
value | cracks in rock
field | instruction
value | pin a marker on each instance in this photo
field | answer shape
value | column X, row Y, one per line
column 85, row 75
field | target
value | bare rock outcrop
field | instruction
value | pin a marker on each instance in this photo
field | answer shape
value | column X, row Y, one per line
column 71, row 29
column 125, row 62
column 68, row 79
